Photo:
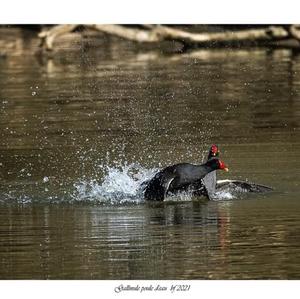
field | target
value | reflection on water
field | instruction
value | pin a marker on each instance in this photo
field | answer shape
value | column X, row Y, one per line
column 191, row 240
column 80, row 131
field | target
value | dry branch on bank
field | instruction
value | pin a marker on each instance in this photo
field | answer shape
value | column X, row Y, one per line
column 294, row 31
column 158, row 33
column 48, row 36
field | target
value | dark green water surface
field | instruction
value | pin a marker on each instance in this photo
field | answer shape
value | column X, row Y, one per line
column 80, row 132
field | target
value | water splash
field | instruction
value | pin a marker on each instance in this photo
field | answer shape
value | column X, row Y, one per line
column 120, row 185
column 124, row 184
column 223, row 195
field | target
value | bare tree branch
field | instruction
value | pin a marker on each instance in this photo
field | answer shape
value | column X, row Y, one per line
column 48, row 36
column 138, row 35
column 227, row 36
column 295, row 32
column 157, row 33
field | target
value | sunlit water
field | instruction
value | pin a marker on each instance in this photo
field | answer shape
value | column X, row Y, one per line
column 81, row 132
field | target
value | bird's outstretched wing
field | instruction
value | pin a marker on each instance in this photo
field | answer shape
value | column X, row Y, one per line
column 241, row 186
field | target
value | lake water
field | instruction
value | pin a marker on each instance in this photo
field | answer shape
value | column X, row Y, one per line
column 80, row 131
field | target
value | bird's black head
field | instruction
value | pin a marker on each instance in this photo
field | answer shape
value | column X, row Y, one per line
column 216, row 163
column 213, row 152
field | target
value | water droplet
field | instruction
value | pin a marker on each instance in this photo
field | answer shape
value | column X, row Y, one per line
column 45, row 179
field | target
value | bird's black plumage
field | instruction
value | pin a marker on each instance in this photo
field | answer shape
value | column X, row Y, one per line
column 241, row 186
column 200, row 180
column 178, row 177
column 207, row 185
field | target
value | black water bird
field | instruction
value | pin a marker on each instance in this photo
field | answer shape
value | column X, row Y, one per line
column 179, row 177
column 241, row 186
column 206, row 186
column 210, row 180
column 209, row 184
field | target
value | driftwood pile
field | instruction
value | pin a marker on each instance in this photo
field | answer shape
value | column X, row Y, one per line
column 158, row 33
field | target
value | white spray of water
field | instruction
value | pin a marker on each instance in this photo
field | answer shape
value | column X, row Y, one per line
column 223, row 195
column 124, row 184
column 120, row 185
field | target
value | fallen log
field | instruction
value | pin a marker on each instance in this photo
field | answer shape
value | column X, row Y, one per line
column 295, row 32
column 48, row 36
column 133, row 34
column 228, row 36
column 158, row 33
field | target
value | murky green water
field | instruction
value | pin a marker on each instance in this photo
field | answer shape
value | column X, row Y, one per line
column 79, row 132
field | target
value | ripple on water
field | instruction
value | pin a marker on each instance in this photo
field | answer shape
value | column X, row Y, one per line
column 122, row 184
